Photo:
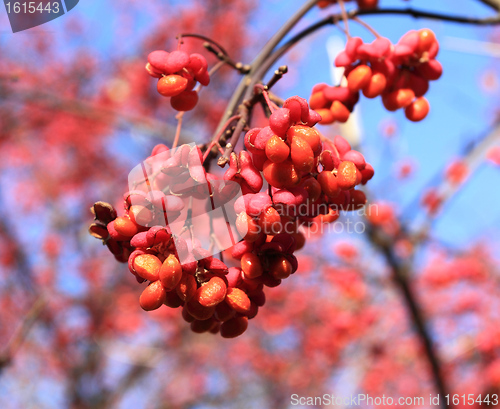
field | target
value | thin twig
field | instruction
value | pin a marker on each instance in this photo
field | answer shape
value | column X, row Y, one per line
column 204, row 38
column 21, row 333
column 367, row 26
column 238, row 66
column 179, row 117
column 344, row 18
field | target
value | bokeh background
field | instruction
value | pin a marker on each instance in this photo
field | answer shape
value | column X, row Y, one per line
column 78, row 112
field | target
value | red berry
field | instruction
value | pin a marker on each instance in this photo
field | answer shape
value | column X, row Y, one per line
column 367, row 4
column 317, row 100
column 198, row 311
column 276, row 149
column 251, row 266
column 234, row 327
column 211, row 293
column 456, row 172
column 376, row 86
column 170, row 272
column 359, row 78
column 312, row 187
column 153, row 296
column 124, row 226
column 223, row 311
column 171, row 85
column 238, row 300
column 346, row 175
column 300, row 240
column 147, row 266
column 417, row 110
column 172, row 300
column 185, row 101
column 282, row 175
column 398, row 99
column 326, row 116
column 426, row 38
column 247, row 227
column 140, row 215
column 357, row 199
column 339, row 111
column 302, row 155
column 186, row 287
column 328, row 183
column 308, row 134
column 280, row 268
column 270, row 221
column 199, row 327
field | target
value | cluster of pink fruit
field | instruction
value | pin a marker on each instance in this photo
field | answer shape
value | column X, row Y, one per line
column 178, row 73
column 399, row 73
column 310, row 181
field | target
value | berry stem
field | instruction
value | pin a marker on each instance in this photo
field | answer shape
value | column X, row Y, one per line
column 264, row 54
column 344, row 18
column 238, row 66
column 179, row 117
column 203, row 38
column 265, row 94
column 215, row 140
column 367, row 26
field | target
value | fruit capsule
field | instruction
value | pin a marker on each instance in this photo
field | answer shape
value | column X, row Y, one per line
column 238, row 300
column 281, row 175
column 247, row 227
column 308, row 134
column 152, row 297
column 359, row 78
column 280, row 268
column 170, row 272
column 251, row 266
column 426, row 38
column 147, row 266
column 417, row 110
column 302, row 155
column 398, row 99
column 211, row 293
column 234, row 327
column 328, row 183
column 339, row 111
column 276, row 149
column 346, row 175
column 171, row 85
column 270, row 221
column 185, row 101
column 376, row 85
column 125, row 226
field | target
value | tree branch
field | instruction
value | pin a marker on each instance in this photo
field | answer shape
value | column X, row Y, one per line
column 427, row 14
column 494, row 4
column 86, row 109
column 266, row 51
column 22, row 332
column 400, row 273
